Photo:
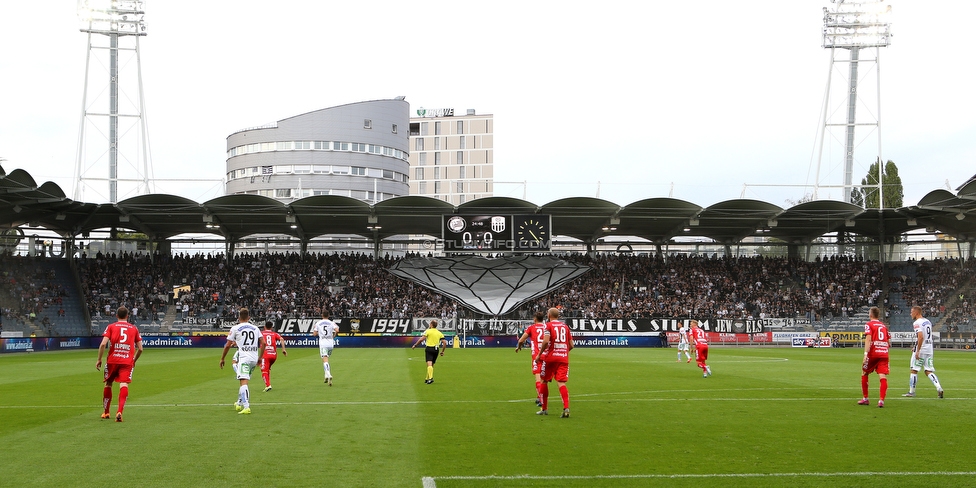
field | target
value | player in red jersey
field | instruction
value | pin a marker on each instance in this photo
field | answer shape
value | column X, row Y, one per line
column 271, row 339
column 876, row 344
column 533, row 334
column 124, row 348
column 557, row 341
column 699, row 337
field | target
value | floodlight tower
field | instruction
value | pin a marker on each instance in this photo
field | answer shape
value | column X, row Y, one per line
column 853, row 27
column 114, row 21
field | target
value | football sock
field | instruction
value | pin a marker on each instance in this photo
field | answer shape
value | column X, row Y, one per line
column 912, row 381
column 538, row 390
column 328, row 369
column 545, row 396
column 935, row 381
column 864, row 385
column 123, row 394
column 107, row 398
column 884, row 387
column 430, row 372
column 245, row 396
column 679, row 355
column 564, row 394
column 267, row 378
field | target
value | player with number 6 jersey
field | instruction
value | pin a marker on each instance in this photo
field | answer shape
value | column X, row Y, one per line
column 877, row 341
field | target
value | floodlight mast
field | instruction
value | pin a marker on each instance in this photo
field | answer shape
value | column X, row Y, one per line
column 853, row 25
column 113, row 19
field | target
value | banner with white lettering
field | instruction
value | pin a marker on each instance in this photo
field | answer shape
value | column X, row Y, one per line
column 626, row 326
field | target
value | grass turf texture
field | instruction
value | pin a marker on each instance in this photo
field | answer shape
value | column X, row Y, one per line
column 766, row 416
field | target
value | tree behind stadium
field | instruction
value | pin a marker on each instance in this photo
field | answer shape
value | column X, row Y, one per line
column 868, row 196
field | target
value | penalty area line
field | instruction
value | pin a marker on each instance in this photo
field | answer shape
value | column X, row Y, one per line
column 431, row 481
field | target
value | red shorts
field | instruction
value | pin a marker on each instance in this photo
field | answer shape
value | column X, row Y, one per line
column 701, row 352
column 119, row 373
column 266, row 364
column 536, row 367
column 875, row 364
column 557, row 371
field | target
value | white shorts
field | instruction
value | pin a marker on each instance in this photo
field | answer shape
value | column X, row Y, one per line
column 325, row 351
column 924, row 363
column 244, row 370
column 684, row 346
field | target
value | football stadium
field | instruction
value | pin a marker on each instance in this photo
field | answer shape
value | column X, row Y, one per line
column 411, row 339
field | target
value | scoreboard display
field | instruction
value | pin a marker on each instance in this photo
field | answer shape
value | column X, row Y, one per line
column 497, row 233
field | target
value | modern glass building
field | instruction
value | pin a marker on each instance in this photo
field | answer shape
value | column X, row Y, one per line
column 359, row 150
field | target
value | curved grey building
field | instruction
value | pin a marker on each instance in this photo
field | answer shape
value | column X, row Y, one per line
column 359, row 150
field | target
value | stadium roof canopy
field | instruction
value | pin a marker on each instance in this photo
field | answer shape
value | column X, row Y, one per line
column 658, row 220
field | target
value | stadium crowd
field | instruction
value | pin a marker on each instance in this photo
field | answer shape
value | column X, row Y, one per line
column 354, row 285
column 271, row 285
column 28, row 290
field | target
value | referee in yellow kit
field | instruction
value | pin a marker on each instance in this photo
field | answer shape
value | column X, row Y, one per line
column 432, row 337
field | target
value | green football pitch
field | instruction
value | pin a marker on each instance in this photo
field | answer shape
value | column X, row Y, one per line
column 767, row 417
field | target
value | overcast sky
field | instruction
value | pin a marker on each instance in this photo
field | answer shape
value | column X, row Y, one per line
column 628, row 100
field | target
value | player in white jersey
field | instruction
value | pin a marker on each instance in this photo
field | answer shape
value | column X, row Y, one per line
column 683, row 345
column 326, row 331
column 922, row 355
column 250, row 343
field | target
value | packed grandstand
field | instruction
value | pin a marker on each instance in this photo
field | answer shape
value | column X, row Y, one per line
column 74, row 297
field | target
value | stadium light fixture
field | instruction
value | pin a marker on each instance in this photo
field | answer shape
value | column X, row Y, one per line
column 912, row 222
column 960, row 216
column 374, row 228
column 17, row 208
column 857, row 24
column 687, row 229
column 60, row 216
column 849, row 223
column 122, row 17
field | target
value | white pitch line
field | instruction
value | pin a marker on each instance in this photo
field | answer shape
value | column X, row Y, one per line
column 446, row 402
column 432, row 479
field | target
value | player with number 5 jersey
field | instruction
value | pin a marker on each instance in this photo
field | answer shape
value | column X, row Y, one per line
column 124, row 348
column 877, row 341
column 557, row 341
